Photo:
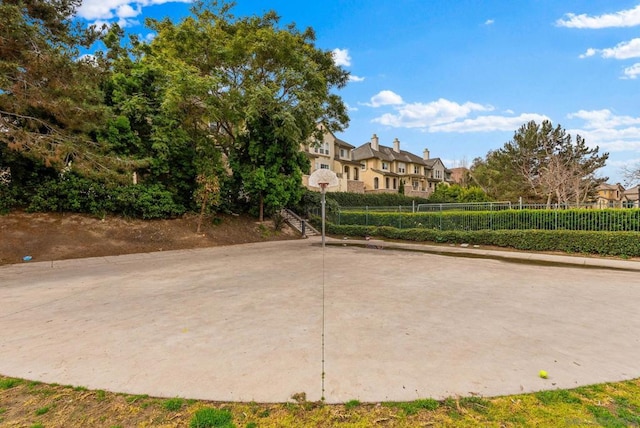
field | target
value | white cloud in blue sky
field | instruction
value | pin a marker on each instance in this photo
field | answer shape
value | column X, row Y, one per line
column 623, row 18
column 424, row 115
column 632, row 72
column 623, row 50
column 444, row 75
column 124, row 12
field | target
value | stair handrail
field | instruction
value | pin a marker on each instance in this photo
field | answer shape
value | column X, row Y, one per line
column 287, row 213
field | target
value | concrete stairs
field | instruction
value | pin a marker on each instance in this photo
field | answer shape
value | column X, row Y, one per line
column 295, row 221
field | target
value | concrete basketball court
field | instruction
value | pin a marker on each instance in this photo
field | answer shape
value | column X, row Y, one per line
column 264, row 321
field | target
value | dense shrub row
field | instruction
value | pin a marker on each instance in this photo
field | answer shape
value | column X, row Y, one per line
column 571, row 241
column 76, row 194
column 576, row 219
column 346, row 199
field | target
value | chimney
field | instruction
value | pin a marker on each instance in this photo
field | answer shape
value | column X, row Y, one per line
column 375, row 142
column 425, row 154
column 396, row 145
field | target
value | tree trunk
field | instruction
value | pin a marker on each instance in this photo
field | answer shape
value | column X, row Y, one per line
column 261, row 208
column 202, row 210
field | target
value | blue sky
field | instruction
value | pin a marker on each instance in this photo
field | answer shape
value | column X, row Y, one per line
column 460, row 76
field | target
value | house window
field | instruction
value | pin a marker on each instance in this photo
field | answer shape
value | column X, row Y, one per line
column 385, row 166
column 343, row 153
column 426, row 171
column 363, row 165
column 438, row 173
column 401, row 168
column 324, row 166
column 416, row 169
column 386, row 183
column 394, row 183
column 415, row 185
column 375, row 183
column 323, row 149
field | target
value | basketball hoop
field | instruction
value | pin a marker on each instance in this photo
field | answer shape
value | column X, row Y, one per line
column 323, row 178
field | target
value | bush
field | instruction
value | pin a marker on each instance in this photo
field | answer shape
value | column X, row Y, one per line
column 570, row 241
column 7, row 199
column 574, row 219
column 72, row 193
column 146, row 202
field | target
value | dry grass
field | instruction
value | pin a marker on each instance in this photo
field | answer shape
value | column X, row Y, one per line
column 33, row 404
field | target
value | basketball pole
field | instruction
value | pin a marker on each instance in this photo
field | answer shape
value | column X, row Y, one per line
column 323, row 186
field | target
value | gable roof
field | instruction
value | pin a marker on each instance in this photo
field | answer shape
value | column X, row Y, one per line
column 342, row 143
column 385, row 153
column 607, row 186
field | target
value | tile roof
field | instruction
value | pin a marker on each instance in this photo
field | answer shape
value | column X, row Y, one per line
column 385, row 153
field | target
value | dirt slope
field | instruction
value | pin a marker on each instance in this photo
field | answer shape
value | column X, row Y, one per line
column 56, row 236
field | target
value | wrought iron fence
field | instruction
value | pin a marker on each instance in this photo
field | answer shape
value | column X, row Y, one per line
column 492, row 216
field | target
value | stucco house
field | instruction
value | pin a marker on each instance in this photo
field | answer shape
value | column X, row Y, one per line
column 337, row 155
column 382, row 168
column 610, row 196
column 633, row 196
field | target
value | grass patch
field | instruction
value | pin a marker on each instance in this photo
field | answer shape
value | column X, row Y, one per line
column 611, row 405
column 133, row 398
column 42, row 410
column 173, row 404
column 557, row 396
column 7, row 383
column 413, row 407
column 210, row 417
column 351, row 404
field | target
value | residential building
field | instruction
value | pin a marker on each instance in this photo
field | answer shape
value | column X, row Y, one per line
column 336, row 155
column 633, row 196
column 610, row 196
column 383, row 168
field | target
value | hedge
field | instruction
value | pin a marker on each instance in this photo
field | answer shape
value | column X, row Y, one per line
column 625, row 244
column 347, row 199
column 574, row 219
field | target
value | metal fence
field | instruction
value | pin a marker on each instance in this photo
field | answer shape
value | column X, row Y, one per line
column 497, row 216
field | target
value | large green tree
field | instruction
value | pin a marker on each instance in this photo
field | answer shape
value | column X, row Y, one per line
column 542, row 163
column 240, row 77
column 268, row 161
column 50, row 100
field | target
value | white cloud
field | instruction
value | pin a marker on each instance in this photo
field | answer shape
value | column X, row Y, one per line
column 623, row 18
column 597, row 119
column 489, row 123
column 609, row 131
column 121, row 10
column 421, row 115
column 588, row 53
column 125, row 11
column 385, row 98
column 623, row 50
column 489, row 22
column 632, row 72
column 354, row 78
column 341, row 57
